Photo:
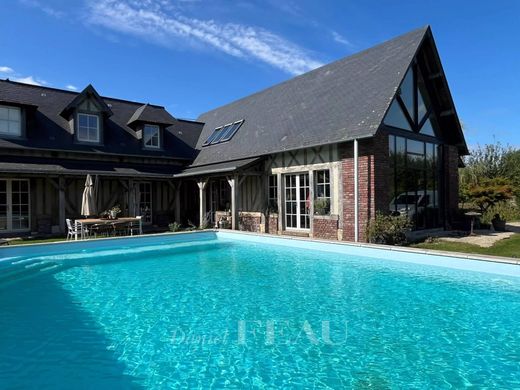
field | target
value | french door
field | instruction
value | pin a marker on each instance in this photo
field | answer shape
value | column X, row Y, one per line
column 145, row 202
column 14, row 205
column 297, row 201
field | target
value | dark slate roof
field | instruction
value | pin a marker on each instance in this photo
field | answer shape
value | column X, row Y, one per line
column 338, row 102
column 47, row 129
column 22, row 164
column 224, row 167
column 151, row 114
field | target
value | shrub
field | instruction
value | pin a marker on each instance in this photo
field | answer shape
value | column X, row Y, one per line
column 388, row 229
column 174, row 227
column 507, row 210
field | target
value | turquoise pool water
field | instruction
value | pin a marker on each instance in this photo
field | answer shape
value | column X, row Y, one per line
column 218, row 311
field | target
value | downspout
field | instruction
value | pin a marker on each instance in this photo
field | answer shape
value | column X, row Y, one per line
column 356, row 192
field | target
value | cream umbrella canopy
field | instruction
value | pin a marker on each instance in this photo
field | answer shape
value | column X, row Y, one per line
column 88, row 202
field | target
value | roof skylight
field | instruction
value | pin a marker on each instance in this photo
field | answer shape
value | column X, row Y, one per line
column 223, row 133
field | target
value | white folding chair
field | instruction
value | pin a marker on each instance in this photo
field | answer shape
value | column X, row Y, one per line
column 136, row 226
column 72, row 230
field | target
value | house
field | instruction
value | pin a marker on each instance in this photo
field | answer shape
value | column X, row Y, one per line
column 316, row 155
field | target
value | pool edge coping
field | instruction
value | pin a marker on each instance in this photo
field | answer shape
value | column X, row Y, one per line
column 433, row 252
column 458, row 255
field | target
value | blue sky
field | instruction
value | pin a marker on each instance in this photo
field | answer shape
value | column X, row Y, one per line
column 195, row 55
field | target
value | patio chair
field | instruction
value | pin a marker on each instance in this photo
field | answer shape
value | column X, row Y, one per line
column 120, row 228
column 101, row 229
column 73, row 230
column 136, row 227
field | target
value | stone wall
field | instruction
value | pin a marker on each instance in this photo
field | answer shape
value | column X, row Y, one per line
column 250, row 221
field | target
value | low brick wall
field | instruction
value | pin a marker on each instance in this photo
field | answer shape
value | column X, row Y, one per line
column 272, row 224
column 250, row 221
column 325, row 227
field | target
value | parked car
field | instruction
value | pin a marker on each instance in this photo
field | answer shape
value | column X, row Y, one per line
column 405, row 203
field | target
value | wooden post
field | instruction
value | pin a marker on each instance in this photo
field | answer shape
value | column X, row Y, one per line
column 178, row 202
column 280, row 202
column 61, row 203
column 311, row 197
column 234, row 184
column 202, row 201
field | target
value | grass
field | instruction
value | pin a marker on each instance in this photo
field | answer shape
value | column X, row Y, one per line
column 508, row 247
column 25, row 241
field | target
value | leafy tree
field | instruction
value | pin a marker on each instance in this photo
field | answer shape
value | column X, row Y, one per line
column 488, row 192
column 491, row 162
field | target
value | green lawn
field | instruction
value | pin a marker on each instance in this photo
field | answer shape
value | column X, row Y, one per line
column 35, row 241
column 509, row 247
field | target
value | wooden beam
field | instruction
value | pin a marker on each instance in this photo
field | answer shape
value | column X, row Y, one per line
column 435, row 75
column 447, row 112
column 61, row 203
column 123, row 184
column 178, row 202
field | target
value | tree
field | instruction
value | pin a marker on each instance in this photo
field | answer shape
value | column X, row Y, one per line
column 488, row 192
column 493, row 161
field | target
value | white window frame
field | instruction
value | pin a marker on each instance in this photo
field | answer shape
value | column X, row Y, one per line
column 298, row 200
column 158, row 146
column 9, row 206
column 322, row 183
column 88, row 128
column 10, row 121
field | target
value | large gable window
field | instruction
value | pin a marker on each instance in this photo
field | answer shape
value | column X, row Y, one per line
column 88, row 128
column 411, row 109
column 151, row 137
column 223, row 133
column 10, row 121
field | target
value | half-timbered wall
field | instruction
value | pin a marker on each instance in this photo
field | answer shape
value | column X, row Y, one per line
column 311, row 159
column 44, row 195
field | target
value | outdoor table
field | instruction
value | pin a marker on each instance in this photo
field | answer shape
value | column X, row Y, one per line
column 84, row 223
column 473, row 215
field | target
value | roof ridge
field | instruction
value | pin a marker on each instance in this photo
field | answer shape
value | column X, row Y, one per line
column 7, row 80
column 424, row 29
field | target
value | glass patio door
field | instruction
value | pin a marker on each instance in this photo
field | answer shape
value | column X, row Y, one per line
column 297, row 201
column 14, row 205
column 145, row 202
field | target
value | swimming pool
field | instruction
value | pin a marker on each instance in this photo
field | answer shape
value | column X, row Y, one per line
column 236, row 310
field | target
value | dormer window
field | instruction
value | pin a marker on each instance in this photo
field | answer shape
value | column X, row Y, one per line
column 88, row 128
column 10, row 121
column 151, row 136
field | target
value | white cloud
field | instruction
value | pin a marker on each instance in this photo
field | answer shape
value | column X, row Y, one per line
column 45, row 8
column 151, row 22
column 30, row 80
column 71, row 87
column 340, row 39
column 6, row 69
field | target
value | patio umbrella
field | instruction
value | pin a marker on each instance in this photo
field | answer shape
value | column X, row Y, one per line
column 88, row 202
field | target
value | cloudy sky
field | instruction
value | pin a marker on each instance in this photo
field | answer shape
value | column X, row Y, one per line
column 194, row 55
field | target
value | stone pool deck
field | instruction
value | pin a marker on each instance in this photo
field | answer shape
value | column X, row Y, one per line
column 482, row 238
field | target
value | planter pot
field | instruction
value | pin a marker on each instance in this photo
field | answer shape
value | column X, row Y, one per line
column 499, row 226
column 113, row 215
